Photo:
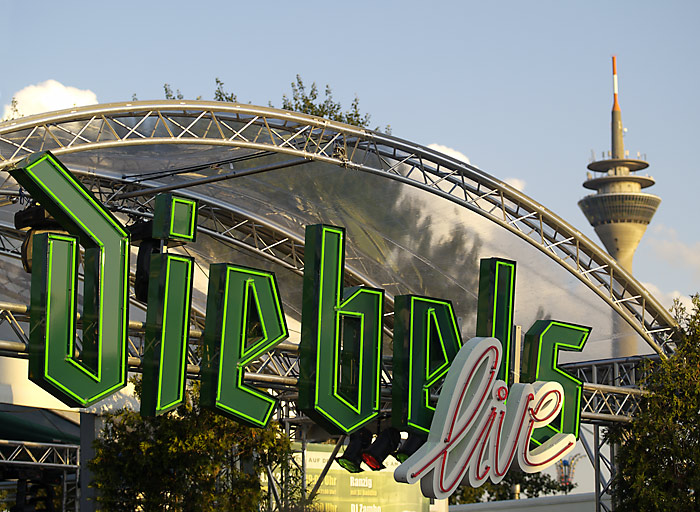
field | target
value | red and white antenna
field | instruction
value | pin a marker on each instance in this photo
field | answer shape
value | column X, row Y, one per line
column 616, row 105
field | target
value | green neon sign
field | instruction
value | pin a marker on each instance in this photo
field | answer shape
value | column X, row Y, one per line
column 543, row 342
column 169, row 304
column 100, row 368
column 426, row 340
column 167, row 333
column 244, row 320
column 341, row 338
column 175, row 218
column 496, row 305
column 341, row 342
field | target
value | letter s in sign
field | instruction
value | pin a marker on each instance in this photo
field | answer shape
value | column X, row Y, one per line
column 543, row 342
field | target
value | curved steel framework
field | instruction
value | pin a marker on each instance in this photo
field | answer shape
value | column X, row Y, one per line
column 316, row 139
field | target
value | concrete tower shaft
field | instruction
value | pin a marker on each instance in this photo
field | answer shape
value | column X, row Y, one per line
column 619, row 211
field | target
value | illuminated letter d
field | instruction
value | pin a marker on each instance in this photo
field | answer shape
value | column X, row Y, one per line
column 54, row 363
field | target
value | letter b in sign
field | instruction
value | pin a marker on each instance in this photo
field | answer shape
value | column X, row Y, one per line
column 341, row 338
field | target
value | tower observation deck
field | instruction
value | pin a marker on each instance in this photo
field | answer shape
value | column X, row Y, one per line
column 619, row 211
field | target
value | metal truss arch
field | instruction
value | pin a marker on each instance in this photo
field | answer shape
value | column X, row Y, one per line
column 317, row 139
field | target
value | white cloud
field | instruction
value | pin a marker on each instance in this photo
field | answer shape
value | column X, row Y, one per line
column 47, row 96
column 516, row 183
column 666, row 298
column 450, row 152
column 667, row 246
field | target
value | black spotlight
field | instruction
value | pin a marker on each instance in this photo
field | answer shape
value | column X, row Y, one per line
column 147, row 247
column 409, row 446
column 385, row 444
column 352, row 457
column 34, row 219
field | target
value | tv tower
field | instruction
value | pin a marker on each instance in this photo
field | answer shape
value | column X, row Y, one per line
column 619, row 211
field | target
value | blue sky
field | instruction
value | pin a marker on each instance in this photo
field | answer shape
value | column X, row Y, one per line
column 522, row 88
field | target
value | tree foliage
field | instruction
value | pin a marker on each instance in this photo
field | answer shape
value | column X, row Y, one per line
column 306, row 102
column 187, row 459
column 659, row 453
column 220, row 93
column 170, row 95
column 14, row 111
column 309, row 103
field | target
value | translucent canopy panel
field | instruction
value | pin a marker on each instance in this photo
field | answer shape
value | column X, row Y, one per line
column 402, row 238
column 137, row 142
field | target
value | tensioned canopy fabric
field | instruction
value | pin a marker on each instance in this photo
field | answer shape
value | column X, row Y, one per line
column 417, row 221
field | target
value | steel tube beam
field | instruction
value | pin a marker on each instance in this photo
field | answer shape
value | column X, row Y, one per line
column 594, row 417
column 212, row 179
column 327, row 467
column 589, row 386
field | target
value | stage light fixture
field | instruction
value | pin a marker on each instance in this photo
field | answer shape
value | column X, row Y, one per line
column 386, row 443
column 409, row 446
column 147, row 247
column 34, row 220
column 352, row 457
